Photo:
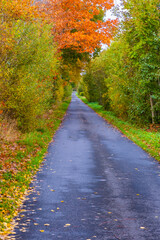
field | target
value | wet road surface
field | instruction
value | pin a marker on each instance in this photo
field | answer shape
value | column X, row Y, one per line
column 94, row 184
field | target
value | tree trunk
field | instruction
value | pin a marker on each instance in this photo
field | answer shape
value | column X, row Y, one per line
column 152, row 109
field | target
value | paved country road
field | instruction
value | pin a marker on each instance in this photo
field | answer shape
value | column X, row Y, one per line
column 94, row 184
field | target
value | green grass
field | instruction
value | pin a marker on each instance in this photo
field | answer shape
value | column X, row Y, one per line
column 25, row 161
column 147, row 140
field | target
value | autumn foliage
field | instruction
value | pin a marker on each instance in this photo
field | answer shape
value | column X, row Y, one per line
column 79, row 25
column 16, row 9
column 125, row 77
column 28, row 64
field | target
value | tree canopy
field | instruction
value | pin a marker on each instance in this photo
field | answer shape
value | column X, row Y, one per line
column 79, row 25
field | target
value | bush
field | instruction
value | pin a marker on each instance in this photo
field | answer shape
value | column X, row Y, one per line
column 26, row 79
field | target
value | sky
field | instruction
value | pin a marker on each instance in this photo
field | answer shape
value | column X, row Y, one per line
column 109, row 13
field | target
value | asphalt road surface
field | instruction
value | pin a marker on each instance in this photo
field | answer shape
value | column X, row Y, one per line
column 94, row 184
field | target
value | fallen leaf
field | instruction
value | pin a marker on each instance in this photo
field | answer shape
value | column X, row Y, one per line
column 23, row 210
column 41, row 230
column 67, row 225
column 142, row 228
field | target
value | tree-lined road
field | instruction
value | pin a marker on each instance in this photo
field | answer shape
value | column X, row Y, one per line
column 94, row 184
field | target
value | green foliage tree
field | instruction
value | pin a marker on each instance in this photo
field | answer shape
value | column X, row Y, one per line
column 141, row 31
column 95, row 88
column 131, row 65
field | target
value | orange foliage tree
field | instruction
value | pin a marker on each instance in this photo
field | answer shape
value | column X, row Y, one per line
column 78, row 24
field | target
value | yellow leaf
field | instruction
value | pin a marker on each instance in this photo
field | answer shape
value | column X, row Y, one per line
column 142, row 227
column 67, row 225
column 41, row 230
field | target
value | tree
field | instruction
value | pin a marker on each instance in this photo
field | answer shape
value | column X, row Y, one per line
column 26, row 83
column 141, row 31
column 29, row 64
column 131, row 65
column 79, row 25
column 93, row 83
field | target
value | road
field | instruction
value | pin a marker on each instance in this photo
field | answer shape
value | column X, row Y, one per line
column 94, row 184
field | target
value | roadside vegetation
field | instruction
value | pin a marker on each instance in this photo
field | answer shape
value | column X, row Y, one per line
column 125, row 78
column 21, row 158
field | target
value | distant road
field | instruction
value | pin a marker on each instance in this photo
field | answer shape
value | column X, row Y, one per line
column 94, row 184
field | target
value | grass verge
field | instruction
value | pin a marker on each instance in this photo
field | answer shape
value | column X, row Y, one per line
column 148, row 140
column 20, row 160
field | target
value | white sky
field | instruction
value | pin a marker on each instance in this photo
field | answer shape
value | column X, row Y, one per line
column 109, row 13
column 116, row 2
